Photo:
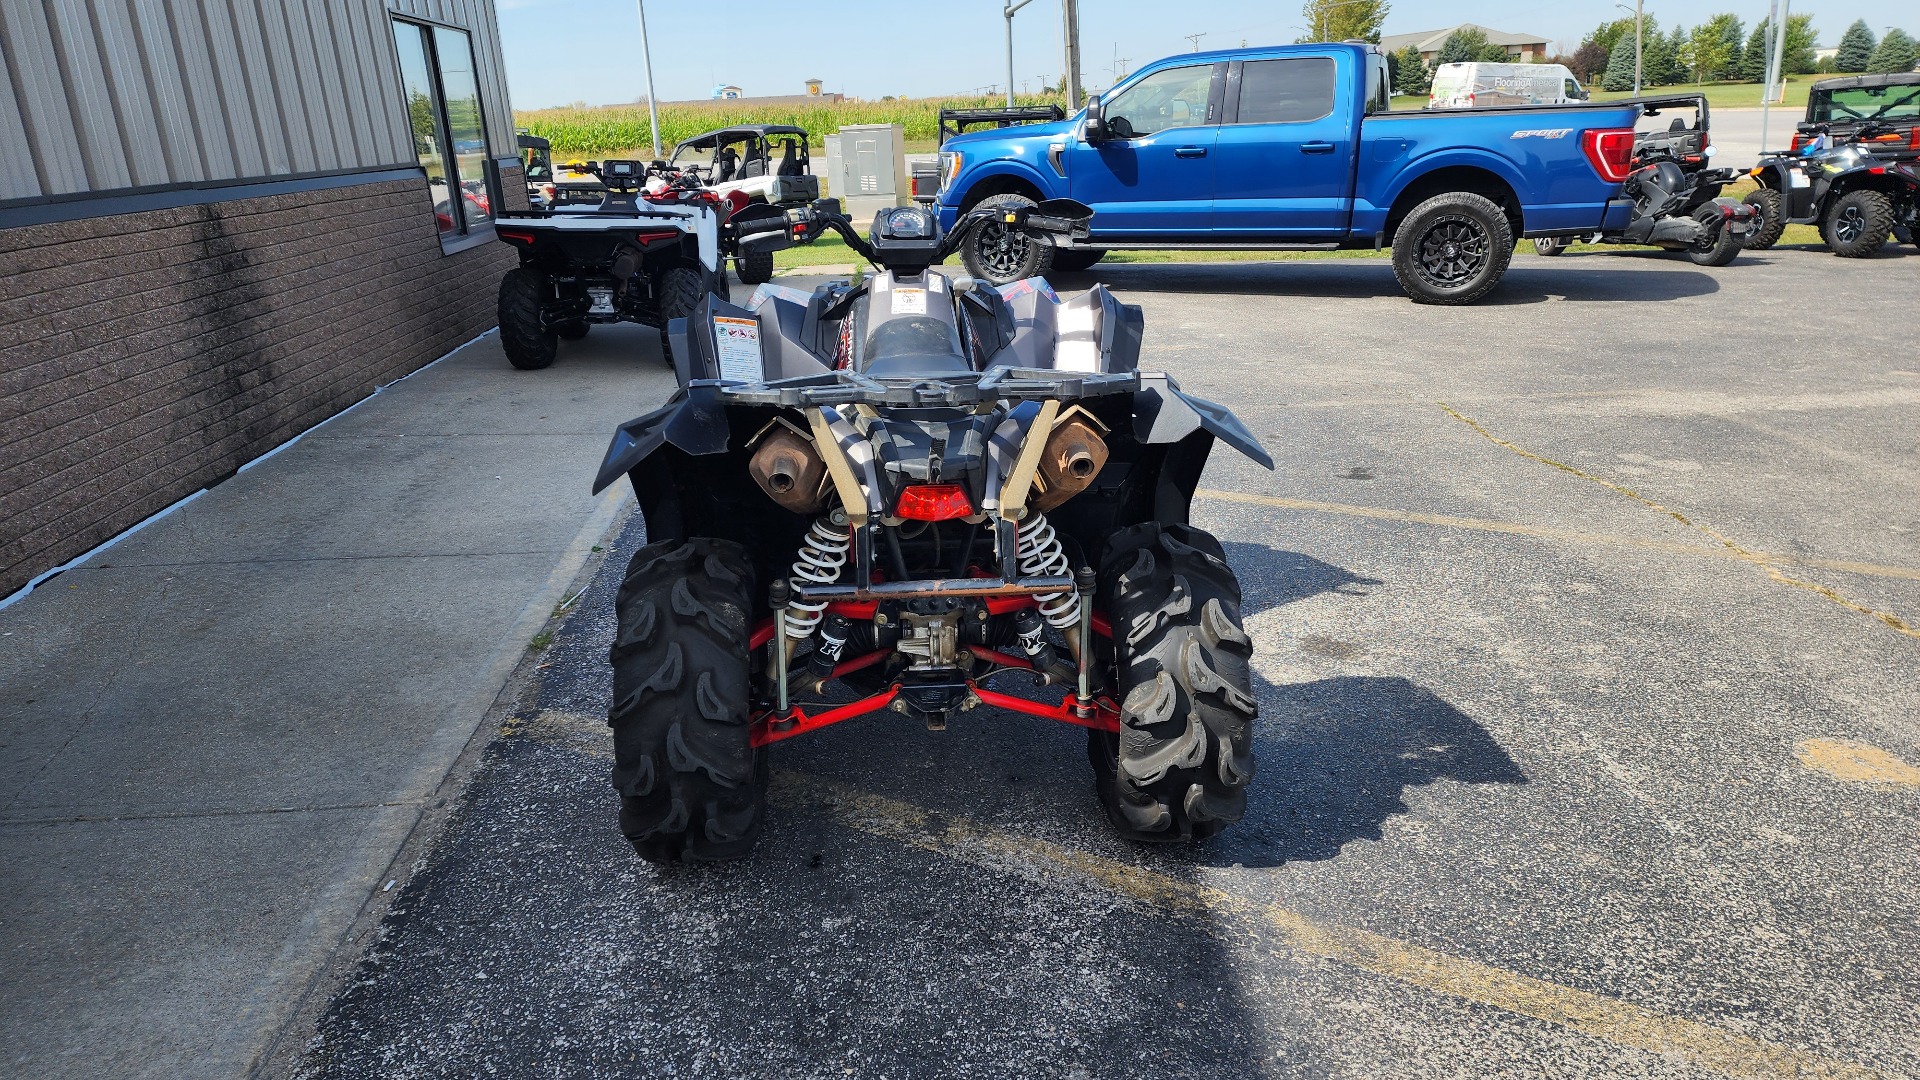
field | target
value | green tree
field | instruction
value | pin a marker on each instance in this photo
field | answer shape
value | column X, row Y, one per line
column 1468, row 46
column 1609, row 35
column 1414, row 77
column 1796, row 58
column 1711, row 49
column 1856, row 47
column 1345, row 20
column 1589, row 61
column 1670, row 59
column 1619, row 74
column 1895, row 54
column 1753, row 60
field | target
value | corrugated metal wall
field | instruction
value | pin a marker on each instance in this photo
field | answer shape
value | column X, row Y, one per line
column 106, row 95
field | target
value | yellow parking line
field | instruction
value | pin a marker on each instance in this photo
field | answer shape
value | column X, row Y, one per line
column 1544, row 532
column 1616, row 1021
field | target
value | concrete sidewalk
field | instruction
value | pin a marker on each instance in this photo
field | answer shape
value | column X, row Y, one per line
column 215, row 736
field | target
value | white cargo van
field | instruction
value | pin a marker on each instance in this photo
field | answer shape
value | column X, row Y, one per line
column 1467, row 86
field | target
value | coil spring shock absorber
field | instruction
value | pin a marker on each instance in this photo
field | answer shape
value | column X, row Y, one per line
column 1042, row 556
column 822, row 553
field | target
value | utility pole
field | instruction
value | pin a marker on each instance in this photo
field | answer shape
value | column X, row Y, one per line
column 646, row 58
column 1195, row 38
column 1070, row 27
column 1779, row 51
column 1008, row 12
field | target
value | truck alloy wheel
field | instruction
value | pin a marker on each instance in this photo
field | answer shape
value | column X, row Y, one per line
column 998, row 253
column 1452, row 249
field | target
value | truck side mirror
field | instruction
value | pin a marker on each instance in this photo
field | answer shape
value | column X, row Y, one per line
column 1095, row 129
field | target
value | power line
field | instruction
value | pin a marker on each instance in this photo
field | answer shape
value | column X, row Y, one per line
column 1195, row 38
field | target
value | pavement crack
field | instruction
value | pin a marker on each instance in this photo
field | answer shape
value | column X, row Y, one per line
column 255, row 811
column 1892, row 621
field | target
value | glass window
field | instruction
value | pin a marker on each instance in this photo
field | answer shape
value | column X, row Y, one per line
column 1286, row 91
column 1175, row 97
column 1888, row 104
column 449, row 133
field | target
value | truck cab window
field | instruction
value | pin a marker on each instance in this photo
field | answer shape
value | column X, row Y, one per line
column 1286, row 91
column 1175, row 97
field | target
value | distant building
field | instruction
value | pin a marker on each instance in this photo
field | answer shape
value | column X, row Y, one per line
column 728, row 93
column 813, row 87
column 1520, row 47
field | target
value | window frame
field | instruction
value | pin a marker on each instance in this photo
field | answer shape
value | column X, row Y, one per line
column 1237, row 79
column 466, row 233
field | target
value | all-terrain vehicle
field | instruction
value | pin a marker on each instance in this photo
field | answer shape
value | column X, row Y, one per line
column 1676, row 198
column 751, row 164
column 536, row 163
column 645, row 257
column 881, row 497
column 1843, row 171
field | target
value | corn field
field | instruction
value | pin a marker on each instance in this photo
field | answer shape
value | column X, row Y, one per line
column 596, row 130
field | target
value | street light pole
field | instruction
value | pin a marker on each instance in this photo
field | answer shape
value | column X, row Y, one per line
column 646, row 58
column 1008, row 12
column 1070, row 27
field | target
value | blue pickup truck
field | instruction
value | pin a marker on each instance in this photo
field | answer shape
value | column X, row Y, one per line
column 1295, row 147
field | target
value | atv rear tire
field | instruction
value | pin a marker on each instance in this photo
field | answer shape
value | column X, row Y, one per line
column 1770, row 209
column 1074, row 260
column 1725, row 245
column 692, row 787
column 754, row 267
column 573, row 331
column 1179, row 767
column 998, row 253
column 681, row 288
column 1858, row 223
column 1452, row 249
column 528, row 345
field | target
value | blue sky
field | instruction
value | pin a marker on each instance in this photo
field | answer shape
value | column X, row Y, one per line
column 559, row 51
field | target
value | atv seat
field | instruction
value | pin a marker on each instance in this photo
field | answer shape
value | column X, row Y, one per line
column 789, row 164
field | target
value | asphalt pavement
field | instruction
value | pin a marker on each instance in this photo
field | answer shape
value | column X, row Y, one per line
column 1587, row 667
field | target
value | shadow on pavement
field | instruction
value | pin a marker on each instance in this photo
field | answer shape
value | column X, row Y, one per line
column 1529, row 281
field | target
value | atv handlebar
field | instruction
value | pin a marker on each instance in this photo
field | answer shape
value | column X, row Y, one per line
column 1062, row 216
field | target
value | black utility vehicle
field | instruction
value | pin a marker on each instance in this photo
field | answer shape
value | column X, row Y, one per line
column 1850, row 168
column 645, row 257
column 905, row 498
column 1676, row 197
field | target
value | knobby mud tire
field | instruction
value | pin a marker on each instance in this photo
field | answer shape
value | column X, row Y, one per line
column 1417, row 237
column 1179, row 767
column 1767, row 203
column 1874, row 223
column 681, row 289
column 692, row 787
column 754, row 267
column 527, row 344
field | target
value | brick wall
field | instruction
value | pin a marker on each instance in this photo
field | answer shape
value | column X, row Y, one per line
column 145, row 356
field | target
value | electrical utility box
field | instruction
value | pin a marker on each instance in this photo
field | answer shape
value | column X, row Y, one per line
column 867, row 169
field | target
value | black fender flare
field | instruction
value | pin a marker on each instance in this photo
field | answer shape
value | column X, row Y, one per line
column 1163, row 413
column 693, row 421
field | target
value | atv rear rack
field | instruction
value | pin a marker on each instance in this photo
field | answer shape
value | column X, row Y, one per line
column 960, row 388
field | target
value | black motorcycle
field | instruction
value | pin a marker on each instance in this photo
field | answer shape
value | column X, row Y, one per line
column 892, row 497
column 1676, row 206
column 1857, row 193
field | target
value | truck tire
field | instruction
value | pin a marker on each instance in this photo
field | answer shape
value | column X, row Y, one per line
column 1768, row 207
column 1179, row 767
column 1551, row 245
column 1724, row 246
column 754, row 267
column 1452, row 249
column 1858, row 223
column 1074, row 260
column 997, row 253
column 573, row 331
column 527, row 344
column 692, row 787
column 681, row 288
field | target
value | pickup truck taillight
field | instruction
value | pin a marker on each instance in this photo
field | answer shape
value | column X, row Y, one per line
column 1610, row 152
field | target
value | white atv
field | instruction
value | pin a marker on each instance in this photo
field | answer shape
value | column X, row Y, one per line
column 647, row 257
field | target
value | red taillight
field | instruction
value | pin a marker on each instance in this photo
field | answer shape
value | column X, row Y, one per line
column 1913, row 137
column 933, row 502
column 656, row 234
column 1798, row 142
column 514, row 235
column 1610, row 152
